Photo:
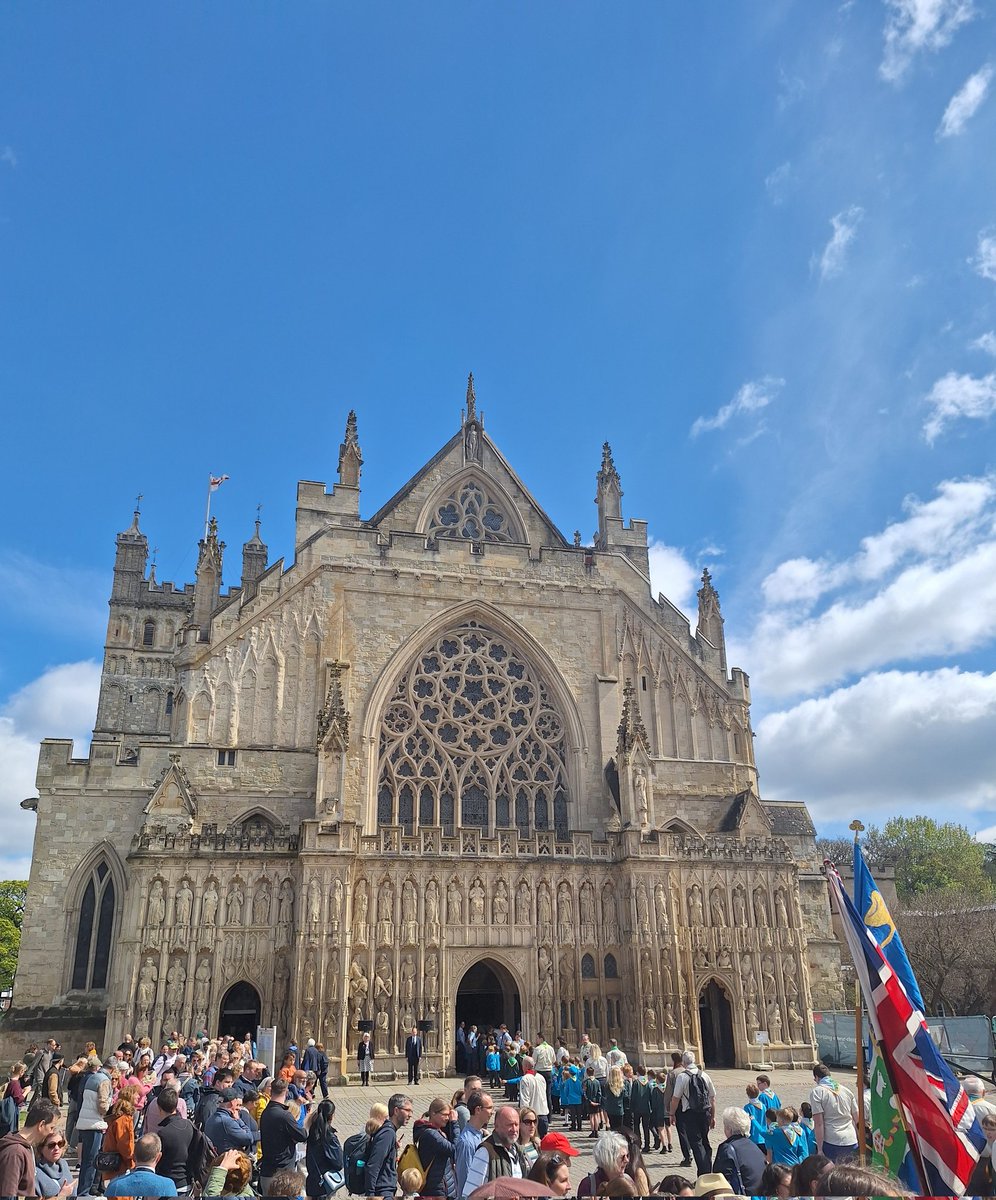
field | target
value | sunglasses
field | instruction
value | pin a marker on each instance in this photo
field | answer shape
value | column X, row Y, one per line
column 527, row 1120
column 55, row 1145
column 558, row 1160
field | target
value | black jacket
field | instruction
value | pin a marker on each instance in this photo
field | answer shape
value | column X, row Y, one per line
column 279, row 1134
column 380, row 1176
column 742, row 1162
column 176, row 1134
column 359, row 1050
column 322, row 1156
column 413, row 1048
column 438, row 1154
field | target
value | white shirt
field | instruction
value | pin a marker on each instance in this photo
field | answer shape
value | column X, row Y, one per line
column 478, row 1172
column 616, row 1057
column 839, row 1107
column 681, row 1087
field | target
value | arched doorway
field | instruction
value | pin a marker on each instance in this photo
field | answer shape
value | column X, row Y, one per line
column 240, row 1011
column 716, row 1023
column 488, row 996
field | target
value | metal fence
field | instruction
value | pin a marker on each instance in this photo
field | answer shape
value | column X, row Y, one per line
column 966, row 1042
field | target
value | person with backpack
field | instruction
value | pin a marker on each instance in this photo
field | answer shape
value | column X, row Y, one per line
column 693, row 1106
column 381, row 1171
column 741, row 1160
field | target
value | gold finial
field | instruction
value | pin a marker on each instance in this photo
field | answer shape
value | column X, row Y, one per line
column 857, row 828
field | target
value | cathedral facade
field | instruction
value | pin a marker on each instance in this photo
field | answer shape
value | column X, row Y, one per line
column 445, row 765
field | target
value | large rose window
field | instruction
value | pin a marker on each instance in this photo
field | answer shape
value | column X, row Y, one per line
column 470, row 737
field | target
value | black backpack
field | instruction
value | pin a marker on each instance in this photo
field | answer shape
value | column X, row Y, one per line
column 698, row 1093
column 200, row 1155
column 354, row 1157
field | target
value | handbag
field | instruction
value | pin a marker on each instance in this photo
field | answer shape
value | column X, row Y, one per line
column 108, row 1160
column 332, row 1181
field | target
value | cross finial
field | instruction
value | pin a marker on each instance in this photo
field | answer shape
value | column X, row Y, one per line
column 856, row 827
column 155, row 551
column 471, row 399
column 138, row 502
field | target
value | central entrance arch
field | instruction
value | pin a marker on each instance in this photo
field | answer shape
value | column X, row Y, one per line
column 488, row 995
column 716, row 1023
column 240, row 1011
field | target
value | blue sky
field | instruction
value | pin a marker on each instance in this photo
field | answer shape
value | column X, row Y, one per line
column 754, row 246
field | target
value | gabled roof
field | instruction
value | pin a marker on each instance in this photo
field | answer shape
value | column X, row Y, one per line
column 446, row 450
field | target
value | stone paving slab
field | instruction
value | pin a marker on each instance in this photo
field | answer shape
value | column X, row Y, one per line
column 353, row 1107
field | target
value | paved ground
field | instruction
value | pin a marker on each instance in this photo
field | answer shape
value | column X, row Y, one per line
column 353, row 1106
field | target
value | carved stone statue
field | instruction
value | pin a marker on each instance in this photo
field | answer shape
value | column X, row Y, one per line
column 454, row 904
column 781, row 912
column 361, row 903
column 476, row 903
column 695, row 916
column 752, row 1021
column 587, row 904
column 642, row 909
column 565, row 913
column 543, row 905
column 669, row 1023
column 472, row 442
column 209, row 905
column 406, row 981
column 310, row 980
column 431, row 980
column 642, row 802
column 281, row 984
column 147, row 979
column 261, row 904
column 335, row 916
column 667, row 981
column 523, row 904
column 610, row 915
column 184, row 903
column 202, row 985
column 432, row 904
column 500, row 904
column 233, row 904
column 774, row 1022
column 359, row 986
column 566, row 975
column 157, row 907
column 314, row 902
column 176, row 979
column 761, row 917
column 409, row 914
column 650, row 1023
column 385, row 912
column 795, row 1022
column 739, row 908
column 383, row 986
column 717, row 908
column 646, row 974
column 660, row 904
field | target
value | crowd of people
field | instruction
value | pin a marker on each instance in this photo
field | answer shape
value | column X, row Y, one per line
column 201, row 1116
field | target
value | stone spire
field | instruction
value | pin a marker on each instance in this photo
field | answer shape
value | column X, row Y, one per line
column 350, row 459
column 473, row 424
column 631, row 732
column 710, row 624
column 254, row 559
column 471, row 399
column 207, row 587
column 333, row 720
column 130, row 557
column 609, row 496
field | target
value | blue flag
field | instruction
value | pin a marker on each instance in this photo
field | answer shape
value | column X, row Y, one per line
column 873, row 908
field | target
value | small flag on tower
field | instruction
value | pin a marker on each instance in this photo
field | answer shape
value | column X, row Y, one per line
column 215, row 482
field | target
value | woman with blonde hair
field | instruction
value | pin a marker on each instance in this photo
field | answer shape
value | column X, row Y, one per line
column 119, row 1136
column 529, row 1140
column 614, row 1098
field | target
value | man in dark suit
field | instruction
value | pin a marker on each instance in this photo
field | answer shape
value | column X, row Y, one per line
column 413, row 1052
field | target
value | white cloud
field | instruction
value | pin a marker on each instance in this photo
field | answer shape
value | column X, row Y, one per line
column 985, row 256
column 916, row 741
column 8, row 156
column 964, row 104
column 750, row 398
column 924, row 586
column 915, row 26
column 60, row 703
column 845, row 226
column 986, row 835
column 986, row 342
column 673, row 575
column 954, row 396
column 778, row 182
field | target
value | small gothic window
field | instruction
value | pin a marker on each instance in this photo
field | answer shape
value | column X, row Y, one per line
column 169, row 704
column 588, row 967
column 611, row 970
column 91, row 960
column 149, row 634
column 473, row 513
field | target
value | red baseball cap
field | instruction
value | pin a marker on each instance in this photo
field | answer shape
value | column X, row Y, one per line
column 558, row 1142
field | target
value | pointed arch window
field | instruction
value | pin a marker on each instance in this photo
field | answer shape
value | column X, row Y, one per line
column 472, row 732
column 476, row 512
column 611, row 970
column 94, row 932
column 588, row 967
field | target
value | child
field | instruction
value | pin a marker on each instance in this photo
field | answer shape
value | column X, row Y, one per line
column 592, row 1100
column 492, row 1063
column 570, row 1096
column 787, row 1142
column 659, row 1117
column 757, row 1110
column 767, row 1096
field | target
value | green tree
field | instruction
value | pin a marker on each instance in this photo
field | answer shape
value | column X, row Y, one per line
column 12, row 896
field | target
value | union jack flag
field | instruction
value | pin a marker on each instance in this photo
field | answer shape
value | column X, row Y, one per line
column 944, row 1133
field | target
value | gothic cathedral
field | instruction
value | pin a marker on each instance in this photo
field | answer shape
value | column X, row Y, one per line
column 445, row 765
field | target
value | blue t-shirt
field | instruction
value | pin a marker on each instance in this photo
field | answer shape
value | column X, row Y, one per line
column 141, row 1182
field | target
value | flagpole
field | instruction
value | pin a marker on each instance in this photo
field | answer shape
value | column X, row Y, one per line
column 859, row 1047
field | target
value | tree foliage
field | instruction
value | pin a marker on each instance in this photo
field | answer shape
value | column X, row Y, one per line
column 950, row 936
column 927, row 856
column 12, row 897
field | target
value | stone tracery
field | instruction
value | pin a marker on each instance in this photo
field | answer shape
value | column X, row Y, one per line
column 472, row 510
column 470, row 721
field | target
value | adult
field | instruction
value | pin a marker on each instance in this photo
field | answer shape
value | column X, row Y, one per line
column 529, row 1139
column 533, row 1094
column 309, row 1059
column 279, row 1135
column 91, row 1122
column 850, row 1179
column 52, row 1083
column 413, row 1054
column 737, row 1157
column 230, row 1175
column 52, row 1174
column 471, row 1084
column 225, row 1130
column 805, row 1175
column 119, row 1136
column 553, row 1171
column 611, row 1154
column 322, row 1070
column 497, row 1155
column 39, row 1065
column 545, row 1058
column 975, row 1090
column 323, row 1154
column 614, row 1056
column 983, row 1178
column 154, row 1114
column 17, row 1150
column 777, row 1182
column 364, row 1059
column 176, row 1136
column 380, row 1175
column 210, row 1100
column 436, row 1148
column 835, row 1112
column 143, row 1180
column 672, row 1074
column 480, row 1106
column 693, row 1106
